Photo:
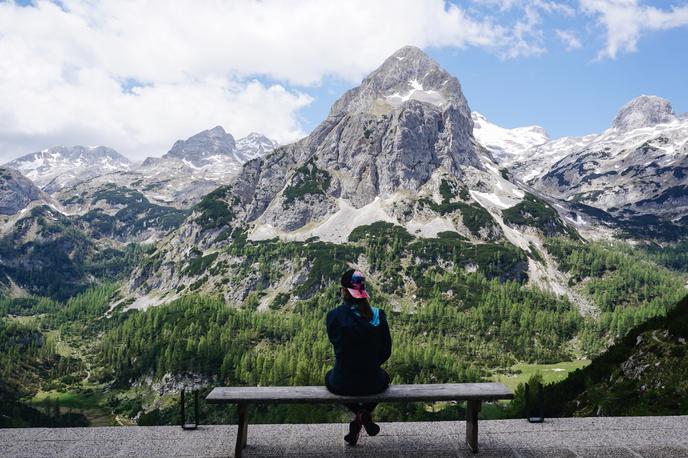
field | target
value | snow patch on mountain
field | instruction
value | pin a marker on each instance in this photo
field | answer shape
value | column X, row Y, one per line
column 54, row 168
column 336, row 228
column 430, row 228
column 488, row 199
column 409, row 74
column 616, row 169
column 506, row 145
column 417, row 92
column 536, row 161
column 254, row 145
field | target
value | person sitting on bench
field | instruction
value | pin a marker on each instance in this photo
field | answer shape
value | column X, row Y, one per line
column 360, row 336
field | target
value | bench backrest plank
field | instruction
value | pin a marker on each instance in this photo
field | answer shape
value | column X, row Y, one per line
column 319, row 394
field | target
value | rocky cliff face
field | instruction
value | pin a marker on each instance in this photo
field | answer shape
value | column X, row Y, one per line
column 16, row 192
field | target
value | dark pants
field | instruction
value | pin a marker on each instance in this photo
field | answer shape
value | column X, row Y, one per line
column 369, row 406
column 353, row 407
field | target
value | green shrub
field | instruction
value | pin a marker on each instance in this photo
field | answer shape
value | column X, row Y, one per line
column 200, row 264
column 536, row 213
column 307, row 179
column 215, row 210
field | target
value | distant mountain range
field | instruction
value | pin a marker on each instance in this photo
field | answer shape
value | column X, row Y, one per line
column 402, row 148
column 507, row 145
column 57, row 226
column 179, row 178
column 636, row 171
column 54, row 168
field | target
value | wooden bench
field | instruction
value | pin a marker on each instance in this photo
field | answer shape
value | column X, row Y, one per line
column 473, row 393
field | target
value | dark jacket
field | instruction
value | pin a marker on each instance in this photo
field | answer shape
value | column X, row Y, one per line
column 360, row 348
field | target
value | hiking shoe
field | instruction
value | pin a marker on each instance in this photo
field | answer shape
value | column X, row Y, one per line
column 371, row 428
column 354, row 431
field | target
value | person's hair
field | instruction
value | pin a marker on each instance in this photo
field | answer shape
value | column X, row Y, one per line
column 362, row 303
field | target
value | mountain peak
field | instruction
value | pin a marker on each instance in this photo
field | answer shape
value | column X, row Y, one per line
column 644, row 111
column 413, row 52
column 217, row 131
column 254, row 145
column 408, row 74
column 211, row 142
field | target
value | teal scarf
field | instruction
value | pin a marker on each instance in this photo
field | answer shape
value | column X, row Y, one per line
column 375, row 321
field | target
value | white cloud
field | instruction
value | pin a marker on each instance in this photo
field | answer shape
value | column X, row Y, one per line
column 527, row 35
column 569, row 38
column 65, row 68
column 626, row 20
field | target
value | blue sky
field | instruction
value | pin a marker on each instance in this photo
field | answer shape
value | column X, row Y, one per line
column 136, row 76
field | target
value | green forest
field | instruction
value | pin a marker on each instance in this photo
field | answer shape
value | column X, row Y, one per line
column 76, row 361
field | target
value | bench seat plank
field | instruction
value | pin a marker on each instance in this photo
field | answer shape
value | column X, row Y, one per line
column 395, row 393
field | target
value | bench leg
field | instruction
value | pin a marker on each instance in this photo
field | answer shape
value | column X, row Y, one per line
column 472, row 425
column 242, row 430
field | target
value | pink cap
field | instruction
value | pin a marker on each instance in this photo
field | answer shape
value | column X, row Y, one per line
column 357, row 289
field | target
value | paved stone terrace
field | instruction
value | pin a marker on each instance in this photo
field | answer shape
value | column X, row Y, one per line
column 654, row 437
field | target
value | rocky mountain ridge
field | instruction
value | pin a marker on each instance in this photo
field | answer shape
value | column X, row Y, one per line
column 108, row 199
column 402, row 149
column 54, row 168
column 189, row 170
column 372, row 145
column 397, row 150
column 636, row 170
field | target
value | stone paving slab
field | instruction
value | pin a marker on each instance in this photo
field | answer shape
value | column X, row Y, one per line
column 637, row 437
